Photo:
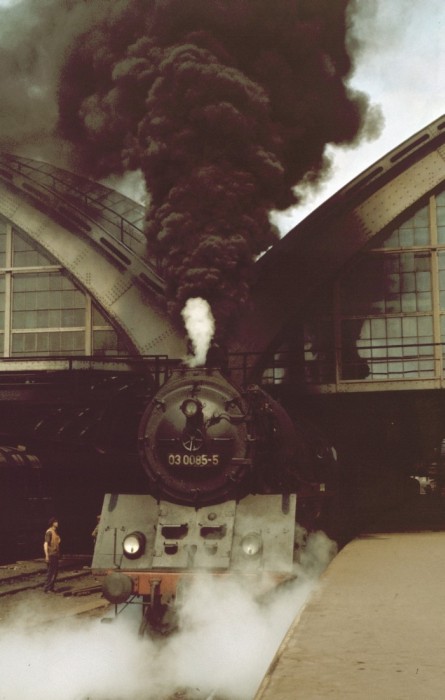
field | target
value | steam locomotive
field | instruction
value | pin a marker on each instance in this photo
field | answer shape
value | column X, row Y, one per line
column 229, row 475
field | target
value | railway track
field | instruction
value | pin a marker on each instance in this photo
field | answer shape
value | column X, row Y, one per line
column 29, row 578
column 21, row 588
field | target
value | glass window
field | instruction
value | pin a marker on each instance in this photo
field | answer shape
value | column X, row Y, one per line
column 409, row 303
column 3, row 230
column 384, row 307
column 25, row 253
column 383, row 296
column 440, row 217
column 394, row 327
column 72, row 318
column 377, row 328
column 354, row 339
column 107, row 342
column 48, row 311
column 62, row 343
column 99, row 319
column 46, row 300
column 421, row 218
column 393, row 303
column 441, row 262
column 406, row 237
column 413, row 232
column 319, row 355
column 72, row 342
column 408, row 281
column 397, row 355
column 383, row 283
column 2, row 304
column 276, row 372
column 421, row 236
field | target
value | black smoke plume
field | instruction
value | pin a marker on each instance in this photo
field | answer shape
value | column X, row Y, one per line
column 224, row 105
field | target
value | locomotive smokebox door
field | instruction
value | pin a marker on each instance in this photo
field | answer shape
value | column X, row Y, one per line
column 193, row 440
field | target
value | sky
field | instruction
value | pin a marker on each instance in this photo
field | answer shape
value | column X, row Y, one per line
column 401, row 68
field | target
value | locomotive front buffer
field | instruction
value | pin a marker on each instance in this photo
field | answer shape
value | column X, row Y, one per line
column 148, row 551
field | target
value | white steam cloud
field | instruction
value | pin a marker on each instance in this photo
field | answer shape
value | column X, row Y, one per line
column 200, row 325
column 225, row 643
column 131, row 184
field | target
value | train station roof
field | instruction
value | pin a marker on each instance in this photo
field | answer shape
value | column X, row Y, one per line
column 96, row 234
column 312, row 253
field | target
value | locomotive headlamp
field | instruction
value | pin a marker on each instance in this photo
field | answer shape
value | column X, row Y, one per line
column 191, row 407
column 252, row 544
column 134, row 545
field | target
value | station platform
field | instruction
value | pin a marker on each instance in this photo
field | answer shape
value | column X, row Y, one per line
column 374, row 627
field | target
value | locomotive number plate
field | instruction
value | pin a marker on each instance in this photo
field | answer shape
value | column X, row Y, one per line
column 176, row 459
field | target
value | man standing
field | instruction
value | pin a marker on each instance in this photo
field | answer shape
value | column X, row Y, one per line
column 51, row 547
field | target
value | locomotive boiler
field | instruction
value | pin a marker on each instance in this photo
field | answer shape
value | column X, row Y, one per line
column 229, row 475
